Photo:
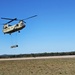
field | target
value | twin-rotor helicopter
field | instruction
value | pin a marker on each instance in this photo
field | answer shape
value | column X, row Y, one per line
column 9, row 29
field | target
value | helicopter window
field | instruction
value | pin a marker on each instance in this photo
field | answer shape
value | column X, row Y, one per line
column 9, row 25
column 5, row 27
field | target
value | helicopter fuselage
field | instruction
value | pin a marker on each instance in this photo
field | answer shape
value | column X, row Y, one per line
column 8, row 29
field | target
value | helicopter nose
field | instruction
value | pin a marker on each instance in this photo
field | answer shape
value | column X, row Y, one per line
column 23, row 26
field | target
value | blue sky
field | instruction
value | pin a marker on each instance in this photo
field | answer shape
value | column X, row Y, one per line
column 53, row 30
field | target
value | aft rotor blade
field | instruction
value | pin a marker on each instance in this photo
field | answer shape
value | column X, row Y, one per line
column 30, row 17
column 10, row 21
column 9, row 18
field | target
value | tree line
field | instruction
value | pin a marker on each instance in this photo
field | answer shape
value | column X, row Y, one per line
column 38, row 54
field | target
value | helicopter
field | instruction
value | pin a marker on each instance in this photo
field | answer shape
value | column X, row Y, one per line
column 9, row 29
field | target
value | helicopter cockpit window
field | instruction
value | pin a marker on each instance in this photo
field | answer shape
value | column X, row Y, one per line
column 17, row 25
column 21, row 23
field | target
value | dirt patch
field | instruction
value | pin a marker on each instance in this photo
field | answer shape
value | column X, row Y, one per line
column 59, row 66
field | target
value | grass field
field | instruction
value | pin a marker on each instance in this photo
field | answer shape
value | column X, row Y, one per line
column 61, row 66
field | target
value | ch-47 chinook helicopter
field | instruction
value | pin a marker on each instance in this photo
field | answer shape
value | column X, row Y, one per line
column 9, row 29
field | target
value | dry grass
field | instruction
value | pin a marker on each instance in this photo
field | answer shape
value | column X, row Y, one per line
column 64, row 66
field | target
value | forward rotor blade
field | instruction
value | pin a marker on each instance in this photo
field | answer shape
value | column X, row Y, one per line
column 24, row 21
column 30, row 17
